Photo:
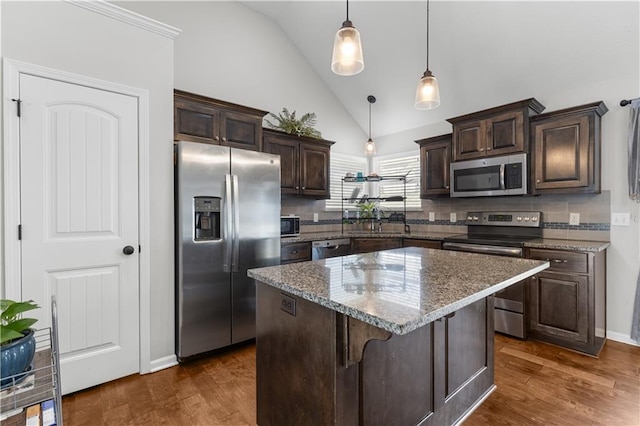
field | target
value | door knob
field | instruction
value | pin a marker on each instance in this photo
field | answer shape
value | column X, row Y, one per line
column 128, row 250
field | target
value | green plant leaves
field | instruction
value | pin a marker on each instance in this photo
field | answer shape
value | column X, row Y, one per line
column 287, row 122
column 11, row 323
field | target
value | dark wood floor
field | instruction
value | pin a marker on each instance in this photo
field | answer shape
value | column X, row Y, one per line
column 538, row 384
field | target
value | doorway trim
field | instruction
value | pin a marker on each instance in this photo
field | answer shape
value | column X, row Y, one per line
column 11, row 177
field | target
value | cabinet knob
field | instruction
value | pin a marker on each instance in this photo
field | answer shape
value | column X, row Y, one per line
column 303, row 188
column 224, row 139
column 489, row 149
column 297, row 187
column 537, row 180
column 216, row 138
column 446, row 187
column 481, row 149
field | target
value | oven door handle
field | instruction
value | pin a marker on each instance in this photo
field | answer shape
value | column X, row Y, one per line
column 483, row 249
column 502, row 184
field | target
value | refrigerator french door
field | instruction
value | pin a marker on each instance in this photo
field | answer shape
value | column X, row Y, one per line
column 227, row 221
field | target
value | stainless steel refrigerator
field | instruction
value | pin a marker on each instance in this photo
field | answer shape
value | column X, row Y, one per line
column 227, row 221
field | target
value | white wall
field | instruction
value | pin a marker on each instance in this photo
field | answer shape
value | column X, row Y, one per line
column 63, row 36
column 230, row 52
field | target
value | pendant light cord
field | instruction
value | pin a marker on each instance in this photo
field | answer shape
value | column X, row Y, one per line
column 427, row 34
column 347, row 10
column 369, row 120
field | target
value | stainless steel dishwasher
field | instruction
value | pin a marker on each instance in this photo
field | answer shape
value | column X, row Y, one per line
column 330, row 248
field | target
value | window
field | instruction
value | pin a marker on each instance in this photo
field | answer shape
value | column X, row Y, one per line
column 399, row 165
column 341, row 164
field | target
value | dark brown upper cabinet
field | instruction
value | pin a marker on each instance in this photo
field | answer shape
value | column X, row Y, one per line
column 304, row 163
column 435, row 158
column 566, row 150
column 206, row 120
column 495, row 131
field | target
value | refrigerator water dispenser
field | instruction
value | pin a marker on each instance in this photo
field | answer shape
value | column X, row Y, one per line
column 206, row 218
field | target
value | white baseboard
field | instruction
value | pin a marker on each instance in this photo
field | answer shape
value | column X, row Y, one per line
column 162, row 363
column 622, row 338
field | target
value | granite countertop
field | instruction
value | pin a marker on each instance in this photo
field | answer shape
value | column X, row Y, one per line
column 546, row 243
column 402, row 289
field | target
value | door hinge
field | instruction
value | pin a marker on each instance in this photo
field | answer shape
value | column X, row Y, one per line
column 19, row 232
column 139, row 248
column 18, row 103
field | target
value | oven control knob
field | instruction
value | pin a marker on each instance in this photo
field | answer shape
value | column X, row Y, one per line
column 469, row 218
column 475, row 218
column 534, row 218
column 519, row 218
column 526, row 218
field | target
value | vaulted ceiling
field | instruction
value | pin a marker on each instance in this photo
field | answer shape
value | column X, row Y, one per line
column 483, row 53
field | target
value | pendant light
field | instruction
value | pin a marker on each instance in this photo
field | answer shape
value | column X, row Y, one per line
column 347, row 51
column 427, row 93
column 370, row 147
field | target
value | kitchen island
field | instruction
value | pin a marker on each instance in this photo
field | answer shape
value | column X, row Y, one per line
column 395, row 337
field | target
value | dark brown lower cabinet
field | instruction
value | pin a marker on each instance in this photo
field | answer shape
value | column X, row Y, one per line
column 566, row 303
column 369, row 244
column 295, row 252
column 314, row 367
column 416, row 242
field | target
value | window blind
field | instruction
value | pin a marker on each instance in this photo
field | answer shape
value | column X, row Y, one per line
column 341, row 164
column 408, row 165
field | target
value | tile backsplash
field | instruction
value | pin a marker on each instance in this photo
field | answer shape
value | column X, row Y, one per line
column 594, row 210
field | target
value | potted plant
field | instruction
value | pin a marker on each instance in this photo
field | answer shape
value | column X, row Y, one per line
column 17, row 341
column 288, row 123
column 368, row 212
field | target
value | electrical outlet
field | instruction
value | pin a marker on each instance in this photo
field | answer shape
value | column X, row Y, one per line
column 315, row 217
column 432, row 217
column 574, row 219
column 620, row 219
column 452, row 217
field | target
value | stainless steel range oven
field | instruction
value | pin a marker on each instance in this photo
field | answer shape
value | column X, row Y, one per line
column 504, row 234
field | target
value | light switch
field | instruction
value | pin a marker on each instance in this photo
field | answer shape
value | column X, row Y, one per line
column 315, row 217
column 452, row 217
column 620, row 219
column 432, row 217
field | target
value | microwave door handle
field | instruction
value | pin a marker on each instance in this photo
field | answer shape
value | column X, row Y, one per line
column 226, row 230
column 502, row 184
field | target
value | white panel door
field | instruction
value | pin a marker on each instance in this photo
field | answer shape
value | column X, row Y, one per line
column 79, row 208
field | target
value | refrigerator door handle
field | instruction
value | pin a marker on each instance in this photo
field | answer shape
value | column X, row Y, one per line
column 236, row 225
column 227, row 226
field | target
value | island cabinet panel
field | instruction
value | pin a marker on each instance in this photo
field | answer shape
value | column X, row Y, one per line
column 396, row 379
column 496, row 131
column 206, row 120
column 307, row 373
column 295, row 361
column 566, row 303
column 566, row 150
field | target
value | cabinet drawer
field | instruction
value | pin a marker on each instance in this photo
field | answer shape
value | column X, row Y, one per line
column 416, row 242
column 365, row 245
column 565, row 261
column 295, row 252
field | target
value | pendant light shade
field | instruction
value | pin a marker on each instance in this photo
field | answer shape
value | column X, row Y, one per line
column 370, row 147
column 347, row 56
column 427, row 93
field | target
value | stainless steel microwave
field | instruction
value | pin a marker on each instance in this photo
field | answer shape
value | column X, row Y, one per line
column 489, row 177
column 289, row 226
